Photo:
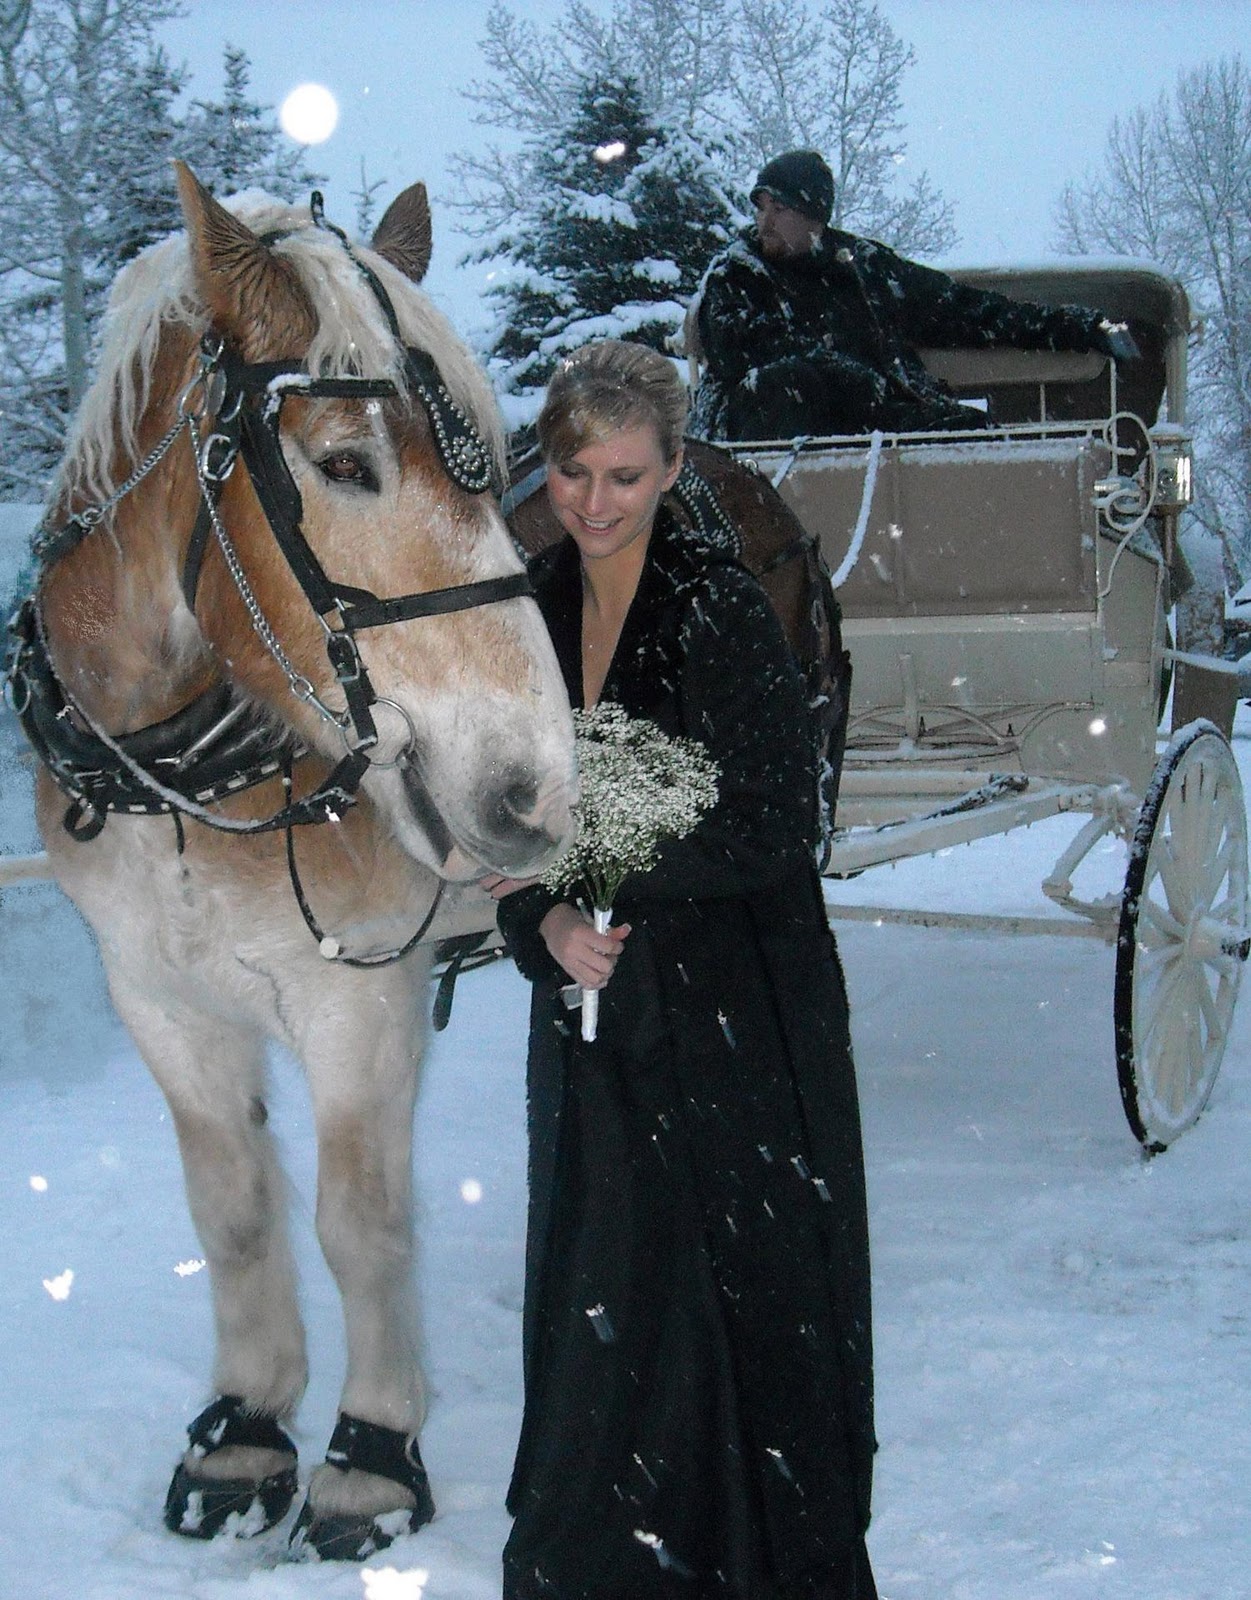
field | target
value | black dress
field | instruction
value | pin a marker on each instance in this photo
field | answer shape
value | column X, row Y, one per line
column 698, row 1396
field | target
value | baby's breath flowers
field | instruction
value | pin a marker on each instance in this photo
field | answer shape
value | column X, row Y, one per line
column 637, row 787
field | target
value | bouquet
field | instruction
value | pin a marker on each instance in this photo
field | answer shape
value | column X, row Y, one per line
column 637, row 787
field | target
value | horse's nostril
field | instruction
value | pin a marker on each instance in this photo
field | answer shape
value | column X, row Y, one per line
column 516, row 800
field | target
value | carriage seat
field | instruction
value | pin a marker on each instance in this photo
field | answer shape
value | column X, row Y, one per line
column 1016, row 385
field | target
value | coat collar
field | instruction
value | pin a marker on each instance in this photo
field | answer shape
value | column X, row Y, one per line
column 646, row 657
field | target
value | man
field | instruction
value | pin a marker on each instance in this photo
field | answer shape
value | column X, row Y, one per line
column 809, row 330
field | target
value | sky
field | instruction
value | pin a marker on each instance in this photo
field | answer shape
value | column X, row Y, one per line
column 1006, row 100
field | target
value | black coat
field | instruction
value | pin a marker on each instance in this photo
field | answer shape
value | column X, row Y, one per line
column 698, row 1359
column 827, row 342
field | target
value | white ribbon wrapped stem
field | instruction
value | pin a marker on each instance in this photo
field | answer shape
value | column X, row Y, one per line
column 602, row 918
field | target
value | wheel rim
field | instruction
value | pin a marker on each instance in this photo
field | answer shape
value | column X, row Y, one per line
column 1182, row 938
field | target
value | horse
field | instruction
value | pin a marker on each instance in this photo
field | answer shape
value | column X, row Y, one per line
column 287, row 686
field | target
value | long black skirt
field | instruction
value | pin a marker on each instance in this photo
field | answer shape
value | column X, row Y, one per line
column 641, row 1470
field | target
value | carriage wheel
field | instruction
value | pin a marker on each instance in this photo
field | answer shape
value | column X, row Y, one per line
column 1183, row 936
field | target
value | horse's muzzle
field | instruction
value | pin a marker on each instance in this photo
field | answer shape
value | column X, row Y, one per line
column 522, row 825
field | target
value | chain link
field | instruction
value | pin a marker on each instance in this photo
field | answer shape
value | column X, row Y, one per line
column 90, row 516
column 299, row 685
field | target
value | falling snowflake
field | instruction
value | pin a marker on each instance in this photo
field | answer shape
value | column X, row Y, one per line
column 389, row 1583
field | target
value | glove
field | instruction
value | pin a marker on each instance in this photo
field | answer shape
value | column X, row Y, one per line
column 1115, row 340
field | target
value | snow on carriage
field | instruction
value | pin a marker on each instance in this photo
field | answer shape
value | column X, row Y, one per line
column 1005, row 599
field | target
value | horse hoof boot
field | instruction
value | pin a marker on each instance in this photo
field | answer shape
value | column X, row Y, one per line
column 201, row 1506
column 339, row 1535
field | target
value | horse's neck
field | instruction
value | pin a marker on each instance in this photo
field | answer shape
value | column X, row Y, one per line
column 122, row 638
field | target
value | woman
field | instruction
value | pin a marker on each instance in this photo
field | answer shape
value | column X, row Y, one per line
column 698, row 1401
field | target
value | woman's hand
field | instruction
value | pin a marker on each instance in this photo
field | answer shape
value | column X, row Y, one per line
column 588, row 957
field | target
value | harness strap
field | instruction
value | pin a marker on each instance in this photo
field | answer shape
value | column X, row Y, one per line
column 330, row 947
column 365, row 610
column 226, row 1423
column 386, row 1452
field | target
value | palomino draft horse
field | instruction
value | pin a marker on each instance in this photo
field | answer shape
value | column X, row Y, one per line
column 273, row 594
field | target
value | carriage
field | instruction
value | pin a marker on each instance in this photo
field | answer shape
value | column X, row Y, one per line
column 1006, row 598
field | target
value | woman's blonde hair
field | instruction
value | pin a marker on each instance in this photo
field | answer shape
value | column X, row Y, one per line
column 607, row 386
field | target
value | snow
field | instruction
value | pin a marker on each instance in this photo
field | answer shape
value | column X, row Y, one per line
column 1063, row 1331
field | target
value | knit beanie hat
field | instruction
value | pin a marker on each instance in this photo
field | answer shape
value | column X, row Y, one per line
column 799, row 179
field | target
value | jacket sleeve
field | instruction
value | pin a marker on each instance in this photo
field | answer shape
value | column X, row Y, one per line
column 519, row 915
column 743, row 326
column 742, row 698
column 934, row 309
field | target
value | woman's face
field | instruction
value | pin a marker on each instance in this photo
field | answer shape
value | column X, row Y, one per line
column 606, row 495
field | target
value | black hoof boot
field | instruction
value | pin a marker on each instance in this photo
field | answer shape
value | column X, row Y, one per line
column 201, row 1507
column 351, row 1536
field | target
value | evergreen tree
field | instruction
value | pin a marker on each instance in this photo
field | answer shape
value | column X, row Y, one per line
column 624, row 218
column 137, row 197
column 753, row 77
column 234, row 143
column 88, row 124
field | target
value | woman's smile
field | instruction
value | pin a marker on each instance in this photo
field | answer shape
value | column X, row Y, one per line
column 606, row 495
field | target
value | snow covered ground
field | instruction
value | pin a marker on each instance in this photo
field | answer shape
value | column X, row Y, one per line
column 1063, row 1343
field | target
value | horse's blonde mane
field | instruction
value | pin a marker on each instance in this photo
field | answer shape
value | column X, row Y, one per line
column 157, row 290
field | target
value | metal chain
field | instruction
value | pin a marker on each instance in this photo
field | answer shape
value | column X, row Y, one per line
column 299, row 685
column 90, row 516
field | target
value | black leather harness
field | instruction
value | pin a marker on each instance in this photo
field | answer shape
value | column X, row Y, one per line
column 221, row 743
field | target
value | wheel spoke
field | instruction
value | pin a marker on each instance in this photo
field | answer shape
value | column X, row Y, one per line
column 1215, row 873
column 1171, row 1058
column 1161, row 920
column 1172, row 878
column 1156, row 995
column 1207, row 1002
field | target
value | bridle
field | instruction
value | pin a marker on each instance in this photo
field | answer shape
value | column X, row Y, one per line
column 231, row 410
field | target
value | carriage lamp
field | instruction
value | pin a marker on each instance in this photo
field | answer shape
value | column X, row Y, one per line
column 1174, row 487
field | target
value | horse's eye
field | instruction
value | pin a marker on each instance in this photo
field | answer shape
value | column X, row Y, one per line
column 345, row 466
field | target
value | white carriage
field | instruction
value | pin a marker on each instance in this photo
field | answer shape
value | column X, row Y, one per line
column 1006, row 598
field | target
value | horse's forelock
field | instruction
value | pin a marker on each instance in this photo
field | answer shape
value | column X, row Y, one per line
column 157, row 290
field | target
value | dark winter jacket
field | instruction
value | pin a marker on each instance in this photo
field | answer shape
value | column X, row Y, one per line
column 827, row 343
column 727, row 1017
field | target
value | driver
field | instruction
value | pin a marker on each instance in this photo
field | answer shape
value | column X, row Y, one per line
column 807, row 329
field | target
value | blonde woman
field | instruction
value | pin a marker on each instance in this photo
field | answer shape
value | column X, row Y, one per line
column 698, row 1399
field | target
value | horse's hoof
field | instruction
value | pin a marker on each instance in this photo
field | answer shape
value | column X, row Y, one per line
column 202, row 1504
column 203, row 1508
column 368, row 1461
column 348, row 1537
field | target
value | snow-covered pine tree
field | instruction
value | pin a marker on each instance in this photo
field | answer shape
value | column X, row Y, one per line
column 755, row 77
column 235, row 144
column 88, row 123
column 624, row 217
column 137, row 198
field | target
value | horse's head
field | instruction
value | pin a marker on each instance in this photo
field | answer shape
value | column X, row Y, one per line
column 366, row 437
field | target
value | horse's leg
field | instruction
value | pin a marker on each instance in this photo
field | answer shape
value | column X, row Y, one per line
column 363, row 1048
column 239, row 1472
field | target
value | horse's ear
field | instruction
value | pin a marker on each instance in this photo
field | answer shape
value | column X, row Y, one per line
column 404, row 236
column 253, row 296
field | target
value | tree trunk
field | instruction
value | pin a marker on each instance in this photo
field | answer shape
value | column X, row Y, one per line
column 73, row 304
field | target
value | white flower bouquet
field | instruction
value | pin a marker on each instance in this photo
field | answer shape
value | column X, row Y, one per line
column 637, row 788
